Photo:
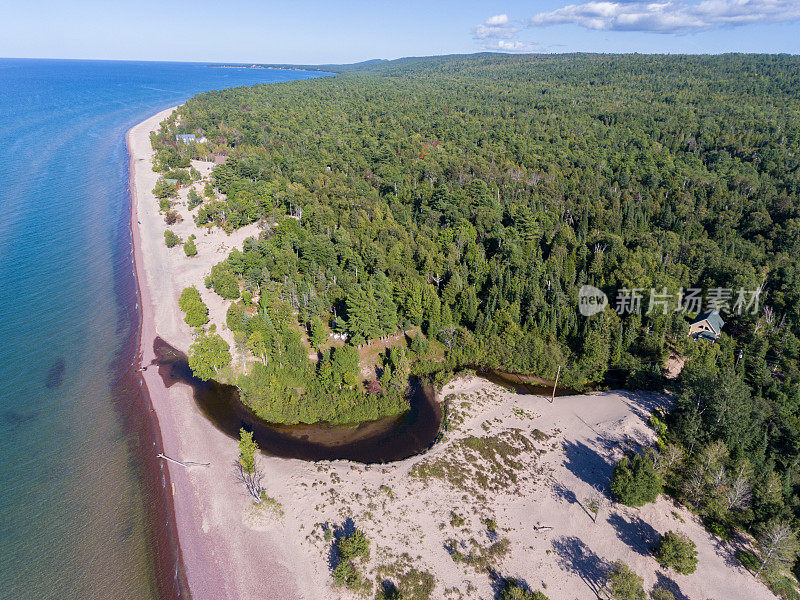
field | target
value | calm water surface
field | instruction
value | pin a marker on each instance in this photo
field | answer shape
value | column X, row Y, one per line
column 75, row 509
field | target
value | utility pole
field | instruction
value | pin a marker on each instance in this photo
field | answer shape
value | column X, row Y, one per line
column 555, row 384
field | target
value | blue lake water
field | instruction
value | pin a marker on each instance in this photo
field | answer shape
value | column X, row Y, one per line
column 76, row 516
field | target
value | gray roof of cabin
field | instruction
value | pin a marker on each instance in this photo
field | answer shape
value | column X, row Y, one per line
column 713, row 319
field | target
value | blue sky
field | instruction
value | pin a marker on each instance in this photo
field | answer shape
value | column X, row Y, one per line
column 348, row 31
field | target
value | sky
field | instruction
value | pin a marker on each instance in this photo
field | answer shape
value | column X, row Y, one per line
column 318, row 32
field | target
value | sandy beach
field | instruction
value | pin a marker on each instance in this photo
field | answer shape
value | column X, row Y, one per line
column 506, row 487
column 222, row 558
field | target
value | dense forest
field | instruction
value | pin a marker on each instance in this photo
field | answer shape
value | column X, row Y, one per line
column 468, row 199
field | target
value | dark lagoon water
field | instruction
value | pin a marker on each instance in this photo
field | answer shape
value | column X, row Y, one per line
column 385, row 440
column 78, row 512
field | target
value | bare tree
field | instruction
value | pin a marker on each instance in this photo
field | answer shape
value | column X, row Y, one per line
column 739, row 492
column 716, row 477
column 777, row 546
column 447, row 335
column 667, row 458
column 673, row 455
column 694, row 487
column 251, row 480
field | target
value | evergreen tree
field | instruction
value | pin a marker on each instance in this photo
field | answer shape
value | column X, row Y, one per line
column 635, row 482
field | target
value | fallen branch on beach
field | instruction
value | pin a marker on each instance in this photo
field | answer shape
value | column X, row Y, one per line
column 183, row 464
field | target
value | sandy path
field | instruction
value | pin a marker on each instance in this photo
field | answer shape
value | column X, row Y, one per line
column 223, row 558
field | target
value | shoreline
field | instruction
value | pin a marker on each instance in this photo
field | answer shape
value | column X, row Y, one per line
column 218, row 556
column 164, row 500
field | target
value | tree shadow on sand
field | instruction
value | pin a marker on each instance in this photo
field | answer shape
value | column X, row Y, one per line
column 339, row 531
column 668, row 584
column 575, row 557
column 644, row 403
column 586, row 464
column 635, row 533
column 562, row 492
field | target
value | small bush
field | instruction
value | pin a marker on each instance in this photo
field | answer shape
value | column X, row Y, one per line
column 456, row 520
column 345, row 574
column 677, row 551
column 355, row 545
column 659, row 593
column 349, row 549
column 171, row 239
column 511, row 589
column 189, row 247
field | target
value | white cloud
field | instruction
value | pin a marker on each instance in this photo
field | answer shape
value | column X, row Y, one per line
column 511, row 46
column 669, row 16
column 496, row 27
column 498, row 33
column 497, row 20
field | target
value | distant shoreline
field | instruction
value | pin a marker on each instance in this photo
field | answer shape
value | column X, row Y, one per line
column 257, row 67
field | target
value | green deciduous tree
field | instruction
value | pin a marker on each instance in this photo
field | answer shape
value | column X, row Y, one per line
column 208, row 356
column 246, row 467
column 164, row 190
column 224, row 282
column 345, row 366
column 248, row 449
column 192, row 304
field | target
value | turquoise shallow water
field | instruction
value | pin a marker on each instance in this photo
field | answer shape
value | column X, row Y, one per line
column 76, row 517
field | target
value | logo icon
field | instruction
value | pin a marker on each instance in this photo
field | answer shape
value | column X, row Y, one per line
column 591, row 300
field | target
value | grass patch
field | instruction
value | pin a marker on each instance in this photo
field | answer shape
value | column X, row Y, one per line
column 401, row 580
column 473, row 554
column 480, row 465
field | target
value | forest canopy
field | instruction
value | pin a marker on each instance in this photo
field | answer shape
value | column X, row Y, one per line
column 469, row 198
